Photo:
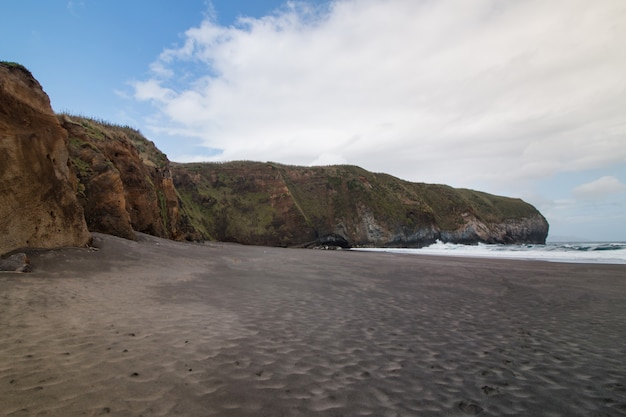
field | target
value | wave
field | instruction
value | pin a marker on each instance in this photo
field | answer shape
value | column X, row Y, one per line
column 579, row 252
column 588, row 247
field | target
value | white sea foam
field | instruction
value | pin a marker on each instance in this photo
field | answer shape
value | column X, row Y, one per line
column 579, row 252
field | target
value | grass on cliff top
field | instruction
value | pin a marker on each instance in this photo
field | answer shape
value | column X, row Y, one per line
column 343, row 187
column 102, row 129
column 239, row 199
column 224, row 200
column 10, row 64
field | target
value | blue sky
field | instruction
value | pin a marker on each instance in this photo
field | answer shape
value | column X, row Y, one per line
column 523, row 98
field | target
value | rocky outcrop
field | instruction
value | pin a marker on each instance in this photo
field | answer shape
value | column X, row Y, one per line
column 38, row 205
column 18, row 262
column 273, row 204
column 124, row 182
column 240, row 202
column 62, row 174
column 530, row 229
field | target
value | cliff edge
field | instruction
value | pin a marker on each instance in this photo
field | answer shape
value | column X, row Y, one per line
column 38, row 204
column 123, row 181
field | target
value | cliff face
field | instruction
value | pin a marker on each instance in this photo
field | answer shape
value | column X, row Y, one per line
column 124, row 182
column 55, row 168
column 272, row 204
column 38, row 206
column 241, row 202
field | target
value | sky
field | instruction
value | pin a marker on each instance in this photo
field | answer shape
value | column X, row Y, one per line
column 522, row 98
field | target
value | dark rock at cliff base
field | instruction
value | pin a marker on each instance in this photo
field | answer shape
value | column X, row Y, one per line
column 333, row 240
column 17, row 262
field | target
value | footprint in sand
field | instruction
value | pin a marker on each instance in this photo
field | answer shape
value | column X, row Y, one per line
column 470, row 407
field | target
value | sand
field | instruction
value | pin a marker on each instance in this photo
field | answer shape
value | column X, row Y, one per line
column 158, row 328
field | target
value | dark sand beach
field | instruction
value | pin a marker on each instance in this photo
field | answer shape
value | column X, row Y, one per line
column 159, row 328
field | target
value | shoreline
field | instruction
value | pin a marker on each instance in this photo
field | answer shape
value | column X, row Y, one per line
column 516, row 252
column 164, row 328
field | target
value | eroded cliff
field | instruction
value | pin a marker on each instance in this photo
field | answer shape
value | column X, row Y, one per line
column 267, row 203
column 124, row 181
column 54, row 169
column 38, row 206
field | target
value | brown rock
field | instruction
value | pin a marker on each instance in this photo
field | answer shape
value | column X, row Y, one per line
column 38, row 206
column 124, row 184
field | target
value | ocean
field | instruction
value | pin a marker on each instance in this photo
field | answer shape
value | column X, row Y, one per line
column 577, row 252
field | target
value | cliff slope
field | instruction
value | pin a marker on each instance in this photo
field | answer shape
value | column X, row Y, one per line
column 273, row 204
column 38, row 206
column 124, row 182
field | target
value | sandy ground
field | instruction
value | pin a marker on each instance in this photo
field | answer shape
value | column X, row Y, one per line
column 158, row 328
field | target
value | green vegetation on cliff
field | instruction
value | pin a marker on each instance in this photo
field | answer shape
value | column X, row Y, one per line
column 125, row 183
column 103, row 130
column 123, row 180
column 269, row 203
column 239, row 201
column 10, row 64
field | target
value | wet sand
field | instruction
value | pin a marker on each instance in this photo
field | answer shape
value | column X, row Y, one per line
column 159, row 328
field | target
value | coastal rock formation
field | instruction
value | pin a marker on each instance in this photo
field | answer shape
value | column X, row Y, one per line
column 273, row 204
column 247, row 202
column 124, row 182
column 18, row 262
column 62, row 174
column 38, row 207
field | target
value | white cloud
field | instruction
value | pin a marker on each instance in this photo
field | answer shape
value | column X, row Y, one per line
column 198, row 158
column 482, row 92
column 75, row 6
column 600, row 188
column 152, row 90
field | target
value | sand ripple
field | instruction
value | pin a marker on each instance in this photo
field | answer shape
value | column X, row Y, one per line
column 138, row 328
